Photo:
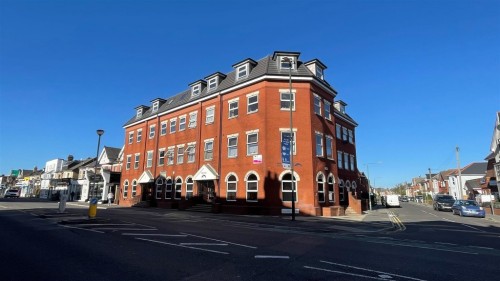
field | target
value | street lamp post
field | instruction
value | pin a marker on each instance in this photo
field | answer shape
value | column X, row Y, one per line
column 290, row 62
column 99, row 133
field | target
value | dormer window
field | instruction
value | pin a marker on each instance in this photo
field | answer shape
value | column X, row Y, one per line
column 156, row 105
column 212, row 83
column 195, row 90
column 242, row 71
column 319, row 73
column 139, row 113
column 317, row 68
column 287, row 62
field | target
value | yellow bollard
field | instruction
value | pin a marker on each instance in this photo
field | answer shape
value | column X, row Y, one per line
column 92, row 208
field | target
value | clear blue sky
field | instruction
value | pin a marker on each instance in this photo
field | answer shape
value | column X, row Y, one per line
column 420, row 77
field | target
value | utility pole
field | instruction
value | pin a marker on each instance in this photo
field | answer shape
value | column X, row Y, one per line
column 459, row 174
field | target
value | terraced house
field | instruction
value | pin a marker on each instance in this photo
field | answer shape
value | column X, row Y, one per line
column 218, row 144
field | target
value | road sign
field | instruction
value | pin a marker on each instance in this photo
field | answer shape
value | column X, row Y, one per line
column 285, row 151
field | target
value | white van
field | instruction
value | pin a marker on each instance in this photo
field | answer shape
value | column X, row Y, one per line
column 392, row 201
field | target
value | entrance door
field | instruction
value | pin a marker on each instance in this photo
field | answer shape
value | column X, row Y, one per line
column 206, row 191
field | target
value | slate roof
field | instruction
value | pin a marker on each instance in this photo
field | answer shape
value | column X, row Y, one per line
column 112, row 153
column 264, row 66
column 478, row 168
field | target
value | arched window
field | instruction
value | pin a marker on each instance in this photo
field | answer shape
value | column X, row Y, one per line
column 125, row 189
column 134, row 188
column 354, row 185
column 252, row 188
column 232, row 183
column 331, row 188
column 168, row 189
column 320, row 187
column 159, row 186
column 178, row 189
column 189, row 188
column 348, row 186
column 286, row 188
column 341, row 190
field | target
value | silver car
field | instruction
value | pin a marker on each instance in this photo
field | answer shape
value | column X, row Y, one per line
column 11, row 193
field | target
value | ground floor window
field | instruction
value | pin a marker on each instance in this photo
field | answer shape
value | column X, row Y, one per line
column 231, row 188
column 252, row 188
column 286, row 188
column 125, row 189
column 159, row 187
column 341, row 190
column 331, row 188
column 168, row 189
column 320, row 184
column 189, row 188
column 134, row 188
column 178, row 189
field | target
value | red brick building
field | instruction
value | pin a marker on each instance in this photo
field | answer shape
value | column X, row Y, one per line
column 219, row 142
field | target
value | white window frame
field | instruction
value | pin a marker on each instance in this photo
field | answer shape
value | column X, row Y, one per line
column 229, row 187
column 189, row 187
column 287, row 65
column 168, row 188
column 137, row 159
column 212, row 84
column 173, row 125
column 242, row 71
column 327, row 109
column 338, row 131
column 351, row 162
column 152, row 131
column 320, row 187
column 149, row 159
column 178, row 189
column 193, row 117
column 125, row 188
column 163, row 129
column 331, row 188
column 252, row 103
column 329, row 147
column 232, row 147
column 158, row 190
column 317, row 105
column 210, row 113
column 341, row 190
column 182, row 123
column 170, row 155
column 233, row 106
column 293, row 187
column 340, row 158
column 250, row 189
column 319, row 137
column 346, row 161
column 139, row 113
column 155, row 106
column 319, row 72
column 344, row 134
column 161, row 156
column 251, row 145
column 287, row 101
column 191, row 152
column 130, row 137
column 196, row 90
column 134, row 188
column 211, row 151
column 139, row 135
column 350, row 136
column 180, row 154
column 129, row 162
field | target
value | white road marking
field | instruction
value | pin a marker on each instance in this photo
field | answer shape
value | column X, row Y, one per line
column 343, row 272
column 271, row 257
column 473, row 228
column 448, row 220
column 204, row 244
column 444, row 243
column 3, row 207
column 251, row 247
column 182, row 246
column 370, row 270
column 87, row 229
column 139, row 224
column 479, row 247
column 154, row 234
column 120, row 228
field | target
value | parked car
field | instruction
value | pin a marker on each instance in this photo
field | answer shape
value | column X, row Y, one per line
column 404, row 198
column 468, row 208
column 11, row 193
column 419, row 199
column 443, row 202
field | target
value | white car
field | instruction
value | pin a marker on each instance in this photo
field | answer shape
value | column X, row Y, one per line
column 11, row 193
column 392, row 201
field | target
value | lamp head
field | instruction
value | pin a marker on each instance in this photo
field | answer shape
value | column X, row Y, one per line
column 100, row 132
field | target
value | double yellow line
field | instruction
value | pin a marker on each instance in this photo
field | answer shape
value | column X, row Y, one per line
column 396, row 222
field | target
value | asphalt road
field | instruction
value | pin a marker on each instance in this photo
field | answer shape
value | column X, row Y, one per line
column 409, row 243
